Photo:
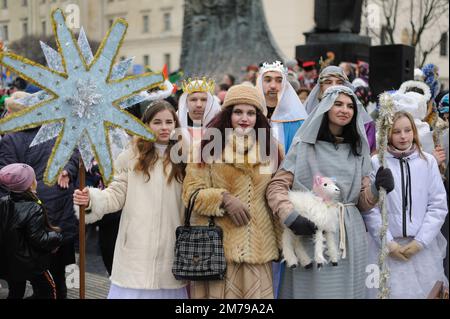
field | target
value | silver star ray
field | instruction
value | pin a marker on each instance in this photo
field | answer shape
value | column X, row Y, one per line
column 98, row 97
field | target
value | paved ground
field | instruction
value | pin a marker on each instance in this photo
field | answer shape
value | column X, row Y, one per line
column 97, row 282
column 97, row 287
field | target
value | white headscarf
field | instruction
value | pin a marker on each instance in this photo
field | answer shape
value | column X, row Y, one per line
column 289, row 108
column 310, row 129
column 313, row 98
column 211, row 110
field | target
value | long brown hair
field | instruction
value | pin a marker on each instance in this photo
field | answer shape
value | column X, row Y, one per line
column 416, row 140
column 222, row 121
column 147, row 155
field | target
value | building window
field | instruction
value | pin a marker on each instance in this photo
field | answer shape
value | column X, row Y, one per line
column 167, row 59
column 24, row 3
column 25, row 28
column 5, row 4
column 167, row 21
column 146, row 60
column 5, row 33
column 444, row 44
column 146, row 24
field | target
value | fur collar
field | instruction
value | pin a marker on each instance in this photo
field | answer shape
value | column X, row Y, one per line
column 242, row 152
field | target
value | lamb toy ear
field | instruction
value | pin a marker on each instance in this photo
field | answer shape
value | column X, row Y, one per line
column 317, row 180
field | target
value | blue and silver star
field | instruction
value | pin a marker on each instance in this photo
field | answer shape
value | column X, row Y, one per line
column 84, row 97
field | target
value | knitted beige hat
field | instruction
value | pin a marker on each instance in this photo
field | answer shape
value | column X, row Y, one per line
column 245, row 94
column 11, row 104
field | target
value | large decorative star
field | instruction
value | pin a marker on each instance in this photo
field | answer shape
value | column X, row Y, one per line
column 83, row 100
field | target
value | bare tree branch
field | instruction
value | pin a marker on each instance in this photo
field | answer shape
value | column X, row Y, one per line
column 390, row 9
column 424, row 15
column 427, row 52
column 428, row 13
column 375, row 34
column 413, row 25
column 395, row 21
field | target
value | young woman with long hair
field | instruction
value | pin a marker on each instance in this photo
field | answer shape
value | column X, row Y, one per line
column 232, row 182
column 416, row 212
column 147, row 187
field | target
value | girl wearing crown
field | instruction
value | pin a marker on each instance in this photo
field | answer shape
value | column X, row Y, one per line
column 232, row 183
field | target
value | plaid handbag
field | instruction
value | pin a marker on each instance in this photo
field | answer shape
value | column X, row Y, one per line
column 199, row 253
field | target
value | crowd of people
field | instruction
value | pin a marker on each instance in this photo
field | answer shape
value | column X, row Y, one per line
column 281, row 126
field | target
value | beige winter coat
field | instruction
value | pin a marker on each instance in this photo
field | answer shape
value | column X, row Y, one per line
column 255, row 243
column 151, row 213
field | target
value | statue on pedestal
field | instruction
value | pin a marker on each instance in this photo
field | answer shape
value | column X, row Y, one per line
column 338, row 16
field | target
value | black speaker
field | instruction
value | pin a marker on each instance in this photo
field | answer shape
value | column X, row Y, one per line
column 390, row 66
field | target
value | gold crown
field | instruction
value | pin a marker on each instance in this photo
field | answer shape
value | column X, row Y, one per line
column 196, row 85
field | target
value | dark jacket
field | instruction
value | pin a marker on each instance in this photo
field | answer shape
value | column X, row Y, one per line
column 25, row 241
column 15, row 148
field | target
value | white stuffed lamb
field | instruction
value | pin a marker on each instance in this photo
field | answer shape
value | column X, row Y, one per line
column 321, row 207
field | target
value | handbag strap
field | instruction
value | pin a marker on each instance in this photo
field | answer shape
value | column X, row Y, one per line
column 190, row 208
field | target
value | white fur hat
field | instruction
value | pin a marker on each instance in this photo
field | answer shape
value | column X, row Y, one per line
column 411, row 102
column 408, row 85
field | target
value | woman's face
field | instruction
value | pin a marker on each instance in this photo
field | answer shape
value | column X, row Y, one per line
column 243, row 118
column 402, row 134
column 162, row 125
column 342, row 111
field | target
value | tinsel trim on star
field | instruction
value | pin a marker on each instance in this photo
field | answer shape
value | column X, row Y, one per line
column 119, row 93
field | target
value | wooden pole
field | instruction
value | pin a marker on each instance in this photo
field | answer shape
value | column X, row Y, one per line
column 82, row 239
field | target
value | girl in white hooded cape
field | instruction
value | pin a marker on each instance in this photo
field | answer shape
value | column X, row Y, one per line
column 416, row 212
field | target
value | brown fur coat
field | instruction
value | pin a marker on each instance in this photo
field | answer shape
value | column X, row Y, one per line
column 255, row 243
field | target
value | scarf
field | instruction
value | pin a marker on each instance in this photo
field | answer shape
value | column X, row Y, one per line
column 401, row 154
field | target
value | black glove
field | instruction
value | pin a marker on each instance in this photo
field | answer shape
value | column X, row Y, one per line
column 303, row 227
column 384, row 179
